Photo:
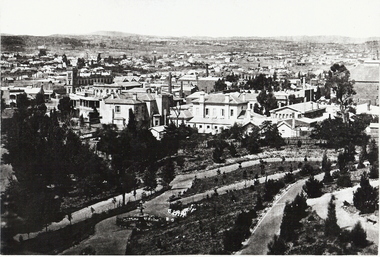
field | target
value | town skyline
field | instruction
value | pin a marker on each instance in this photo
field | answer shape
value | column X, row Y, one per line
column 169, row 18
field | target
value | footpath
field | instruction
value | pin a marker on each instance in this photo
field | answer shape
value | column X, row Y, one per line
column 159, row 205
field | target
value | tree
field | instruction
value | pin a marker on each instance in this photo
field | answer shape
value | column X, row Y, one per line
column 99, row 58
column 150, row 181
column 132, row 124
column 252, row 141
column 217, row 155
column 373, row 153
column 168, row 172
column 22, row 101
column 344, row 180
column 64, row 106
column 318, row 94
column 267, row 100
column 366, row 197
column 362, row 156
column 339, row 81
column 277, row 246
column 271, row 135
column 313, row 187
column 374, row 170
column 326, row 164
column 358, row 235
column 220, row 85
column 331, row 225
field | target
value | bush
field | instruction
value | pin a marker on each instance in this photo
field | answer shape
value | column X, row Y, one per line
column 281, row 168
column 313, row 187
column 289, row 178
column 277, row 246
column 374, row 170
column 300, row 164
column 366, row 197
column 344, row 181
column 307, row 169
column 358, row 235
column 327, row 178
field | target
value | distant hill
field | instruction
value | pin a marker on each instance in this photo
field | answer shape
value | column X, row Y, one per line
column 327, row 39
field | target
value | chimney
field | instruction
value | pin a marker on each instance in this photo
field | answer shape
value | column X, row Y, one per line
column 206, row 70
column 134, row 97
column 244, row 97
column 226, row 98
column 293, row 122
column 312, row 106
column 170, row 82
column 181, row 91
column 202, row 97
column 304, row 83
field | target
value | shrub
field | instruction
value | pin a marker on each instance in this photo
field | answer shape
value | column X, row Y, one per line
column 366, row 197
column 344, row 181
column 307, row 169
column 289, row 178
column 300, row 164
column 281, row 168
column 313, row 187
column 327, row 178
column 277, row 246
column 358, row 235
column 331, row 225
column 299, row 143
column 374, row 170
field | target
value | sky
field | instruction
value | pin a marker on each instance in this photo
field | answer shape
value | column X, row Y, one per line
column 214, row 18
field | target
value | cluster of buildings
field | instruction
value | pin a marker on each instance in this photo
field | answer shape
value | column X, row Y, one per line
column 183, row 94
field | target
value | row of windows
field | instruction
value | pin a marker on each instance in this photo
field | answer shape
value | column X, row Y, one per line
column 207, row 112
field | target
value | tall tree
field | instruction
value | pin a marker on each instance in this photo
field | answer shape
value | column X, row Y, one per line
column 339, row 81
column 331, row 225
column 168, row 172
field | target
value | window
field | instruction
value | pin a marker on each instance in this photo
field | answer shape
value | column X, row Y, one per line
column 216, row 127
column 117, row 109
column 208, row 126
column 232, row 112
column 200, row 126
column 206, row 111
column 222, row 112
column 251, row 106
column 156, row 123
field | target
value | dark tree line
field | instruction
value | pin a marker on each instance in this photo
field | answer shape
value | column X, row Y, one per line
column 49, row 161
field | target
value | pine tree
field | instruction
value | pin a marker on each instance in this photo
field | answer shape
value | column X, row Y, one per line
column 150, row 181
column 373, row 154
column 331, row 225
column 277, row 246
column 168, row 172
column 358, row 235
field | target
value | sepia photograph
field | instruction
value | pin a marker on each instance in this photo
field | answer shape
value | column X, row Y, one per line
column 189, row 127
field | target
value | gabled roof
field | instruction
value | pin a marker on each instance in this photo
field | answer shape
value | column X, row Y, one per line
column 121, row 99
column 220, row 99
column 305, row 107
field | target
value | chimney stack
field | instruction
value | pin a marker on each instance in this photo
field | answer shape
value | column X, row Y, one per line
column 293, row 122
column 226, row 98
column 244, row 97
column 181, row 91
column 170, row 82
